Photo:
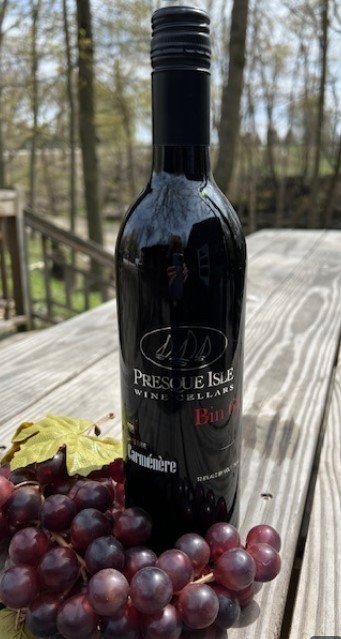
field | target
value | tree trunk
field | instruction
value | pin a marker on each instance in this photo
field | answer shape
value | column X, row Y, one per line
column 3, row 7
column 306, row 151
column 314, row 203
column 87, row 131
column 72, row 131
column 35, row 7
column 331, row 193
column 228, row 130
column 125, row 112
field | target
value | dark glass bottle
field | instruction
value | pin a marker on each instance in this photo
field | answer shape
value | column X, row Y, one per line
column 180, row 266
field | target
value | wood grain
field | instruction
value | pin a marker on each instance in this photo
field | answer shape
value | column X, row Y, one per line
column 291, row 343
column 32, row 368
column 319, row 588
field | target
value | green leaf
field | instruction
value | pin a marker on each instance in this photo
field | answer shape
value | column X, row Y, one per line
column 51, row 423
column 9, row 628
column 39, row 441
column 9, row 454
column 86, row 453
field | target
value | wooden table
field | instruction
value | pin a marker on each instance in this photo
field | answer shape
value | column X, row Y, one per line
column 291, row 469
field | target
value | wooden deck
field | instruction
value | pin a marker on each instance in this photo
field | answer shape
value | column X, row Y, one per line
column 291, row 458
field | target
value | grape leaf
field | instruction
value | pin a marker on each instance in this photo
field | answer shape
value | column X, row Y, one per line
column 8, row 626
column 83, row 451
column 39, row 441
column 9, row 454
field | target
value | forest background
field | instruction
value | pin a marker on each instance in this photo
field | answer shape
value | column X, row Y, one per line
column 75, row 120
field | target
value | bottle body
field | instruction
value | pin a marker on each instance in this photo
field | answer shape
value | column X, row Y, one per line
column 180, row 266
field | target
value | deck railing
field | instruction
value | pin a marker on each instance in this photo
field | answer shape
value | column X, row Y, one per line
column 66, row 274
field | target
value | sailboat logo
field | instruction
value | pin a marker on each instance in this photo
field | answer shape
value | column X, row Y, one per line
column 183, row 348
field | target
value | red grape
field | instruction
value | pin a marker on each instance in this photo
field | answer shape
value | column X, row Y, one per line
column 104, row 552
column 150, row 590
column 263, row 533
column 245, row 596
column 109, row 484
column 22, row 474
column 235, row 569
column 116, row 470
column 28, row 546
column 221, row 537
column 57, row 512
column 108, row 591
column 196, row 548
column 59, row 569
column 51, row 469
column 77, row 619
column 178, row 566
column 41, row 616
column 4, row 526
column 92, row 494
column 87, row 525
column 229, row 607
column 165, row 624
column 125, row 624
column 267, row 559
column 133, row 527
column 23, row 506
column 6, row 489
column 62, row 486
column 19, row 586
column 5, row 470
column 138, row 557
column 120, row 495
column 198, row 606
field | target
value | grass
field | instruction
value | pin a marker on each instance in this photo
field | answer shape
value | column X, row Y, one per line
column 52, row 296
column 59, row 302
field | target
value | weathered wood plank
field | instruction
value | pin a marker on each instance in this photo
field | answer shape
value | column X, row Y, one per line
column 319, row 589
column 290, row 349
column 91, row 394
column 33, row 368
column 273, row 255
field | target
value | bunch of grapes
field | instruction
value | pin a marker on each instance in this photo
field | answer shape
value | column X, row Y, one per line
column 79, row 566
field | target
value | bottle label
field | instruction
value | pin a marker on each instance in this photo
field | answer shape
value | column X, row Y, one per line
column 183, row 357
column 188, row 381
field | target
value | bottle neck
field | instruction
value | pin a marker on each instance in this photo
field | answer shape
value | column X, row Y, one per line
column 193, row 161
column 181, row 122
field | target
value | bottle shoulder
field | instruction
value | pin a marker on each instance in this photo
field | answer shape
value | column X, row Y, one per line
column 173, row 205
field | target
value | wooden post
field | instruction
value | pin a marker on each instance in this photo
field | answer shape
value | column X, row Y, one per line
column 9, row 202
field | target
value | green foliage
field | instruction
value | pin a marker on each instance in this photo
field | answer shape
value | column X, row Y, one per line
column 39, row 441
column 10, row 628
column 61, row 300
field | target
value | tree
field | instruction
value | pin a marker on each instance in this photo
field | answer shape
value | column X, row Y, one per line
column 86, row 116
column 35, row 9
column 3, row 8
column 228, row 129
column 314, row 212
column 124, row 108
column 72, row 113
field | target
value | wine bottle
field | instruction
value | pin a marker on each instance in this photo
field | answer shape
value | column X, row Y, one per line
column 180, row 274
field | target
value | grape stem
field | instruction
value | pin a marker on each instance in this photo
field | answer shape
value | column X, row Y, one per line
column 62, row 542
column 19, row 619
column 205, row 579
column 27, row 482
column 96, row 426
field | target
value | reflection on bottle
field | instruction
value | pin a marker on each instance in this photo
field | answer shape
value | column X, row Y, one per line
column 177, row 272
